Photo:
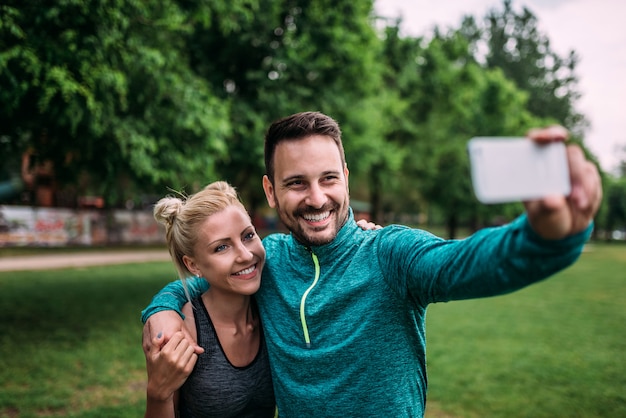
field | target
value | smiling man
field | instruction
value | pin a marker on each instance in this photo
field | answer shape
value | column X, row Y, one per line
column 344, row 309
column 308, row 187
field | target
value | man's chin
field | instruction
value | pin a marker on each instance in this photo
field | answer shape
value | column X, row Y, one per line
column 318, row 238
column 311, row 235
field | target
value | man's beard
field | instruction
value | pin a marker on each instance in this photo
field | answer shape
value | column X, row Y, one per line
column 308, row 239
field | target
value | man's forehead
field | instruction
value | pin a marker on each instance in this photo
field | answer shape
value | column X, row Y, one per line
column 305, row 158
column 311, row 146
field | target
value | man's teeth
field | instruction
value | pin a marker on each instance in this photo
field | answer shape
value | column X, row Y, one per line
column 246, row 271
column 316, row 218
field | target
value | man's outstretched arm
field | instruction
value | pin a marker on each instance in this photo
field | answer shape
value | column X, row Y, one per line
column 173, row 296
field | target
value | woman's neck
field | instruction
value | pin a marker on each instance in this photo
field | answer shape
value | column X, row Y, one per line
column 230, row 311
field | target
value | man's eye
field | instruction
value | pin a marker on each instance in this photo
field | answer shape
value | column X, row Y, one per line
column 329, row 180
column 296, row 184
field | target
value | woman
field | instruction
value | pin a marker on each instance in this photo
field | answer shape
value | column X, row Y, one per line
column 210, row 235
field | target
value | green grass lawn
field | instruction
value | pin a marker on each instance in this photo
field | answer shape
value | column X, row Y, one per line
column 554, row 349
column 70, row 344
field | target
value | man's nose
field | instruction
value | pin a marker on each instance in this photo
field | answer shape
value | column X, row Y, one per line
column 316, row 197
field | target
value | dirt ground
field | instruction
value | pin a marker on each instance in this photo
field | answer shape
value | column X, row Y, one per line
column 58, row 261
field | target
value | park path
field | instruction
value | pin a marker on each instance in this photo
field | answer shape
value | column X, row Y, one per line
column 69, row 260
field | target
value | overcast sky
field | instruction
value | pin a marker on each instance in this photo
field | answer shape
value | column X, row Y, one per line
column 595, row 29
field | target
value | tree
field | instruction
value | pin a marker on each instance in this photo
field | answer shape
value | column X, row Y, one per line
column 291, row 56
column 104, row 89
column 449, row 97
column 131, row 96
column 516, row 46
column 614, row 205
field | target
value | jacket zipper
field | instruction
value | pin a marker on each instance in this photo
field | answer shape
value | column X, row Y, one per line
column 305, row 328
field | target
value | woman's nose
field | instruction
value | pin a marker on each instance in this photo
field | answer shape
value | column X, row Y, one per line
column 244, row 252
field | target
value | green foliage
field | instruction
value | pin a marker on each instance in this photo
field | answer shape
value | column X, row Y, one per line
column 105, row 89
column 285, row 57
column 523, row 52
column 130, row 98
column 613, row 212
column 448, row 98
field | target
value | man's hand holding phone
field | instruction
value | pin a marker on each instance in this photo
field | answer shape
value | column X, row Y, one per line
column 555, row 217
column 560, row 188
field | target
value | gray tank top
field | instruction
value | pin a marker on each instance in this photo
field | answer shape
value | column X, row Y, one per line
column 216, row 388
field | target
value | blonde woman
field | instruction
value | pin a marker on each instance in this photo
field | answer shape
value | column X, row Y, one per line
column 210, row 235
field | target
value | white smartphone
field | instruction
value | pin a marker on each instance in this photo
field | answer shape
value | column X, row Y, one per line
column 511, row 169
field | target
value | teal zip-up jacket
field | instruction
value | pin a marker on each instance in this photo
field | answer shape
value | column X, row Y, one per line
column 344, row 322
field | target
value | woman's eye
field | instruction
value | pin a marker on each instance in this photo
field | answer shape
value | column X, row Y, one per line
column 220, row 248
column 249, row 236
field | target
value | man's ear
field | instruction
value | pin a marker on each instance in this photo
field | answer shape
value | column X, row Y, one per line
column 191, row 265
column 268, row 188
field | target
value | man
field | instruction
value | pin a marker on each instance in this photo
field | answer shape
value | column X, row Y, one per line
column 343, row 309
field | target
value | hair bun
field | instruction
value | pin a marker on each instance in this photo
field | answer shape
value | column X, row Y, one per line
column 167, row 209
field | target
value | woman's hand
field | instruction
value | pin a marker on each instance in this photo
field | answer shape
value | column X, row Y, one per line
column 168, row 366
column 367, row 225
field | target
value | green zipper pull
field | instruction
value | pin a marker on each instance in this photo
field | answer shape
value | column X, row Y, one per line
column 305, row 328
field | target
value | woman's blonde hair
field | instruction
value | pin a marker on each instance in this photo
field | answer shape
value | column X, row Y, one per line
column 183, row 215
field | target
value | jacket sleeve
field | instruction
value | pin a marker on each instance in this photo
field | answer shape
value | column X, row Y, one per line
column 491, row 262
column 174, row 295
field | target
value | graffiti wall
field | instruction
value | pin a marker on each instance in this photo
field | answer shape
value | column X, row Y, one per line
column 30, row 226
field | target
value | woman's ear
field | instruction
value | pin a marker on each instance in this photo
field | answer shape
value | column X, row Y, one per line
column 191, row 265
